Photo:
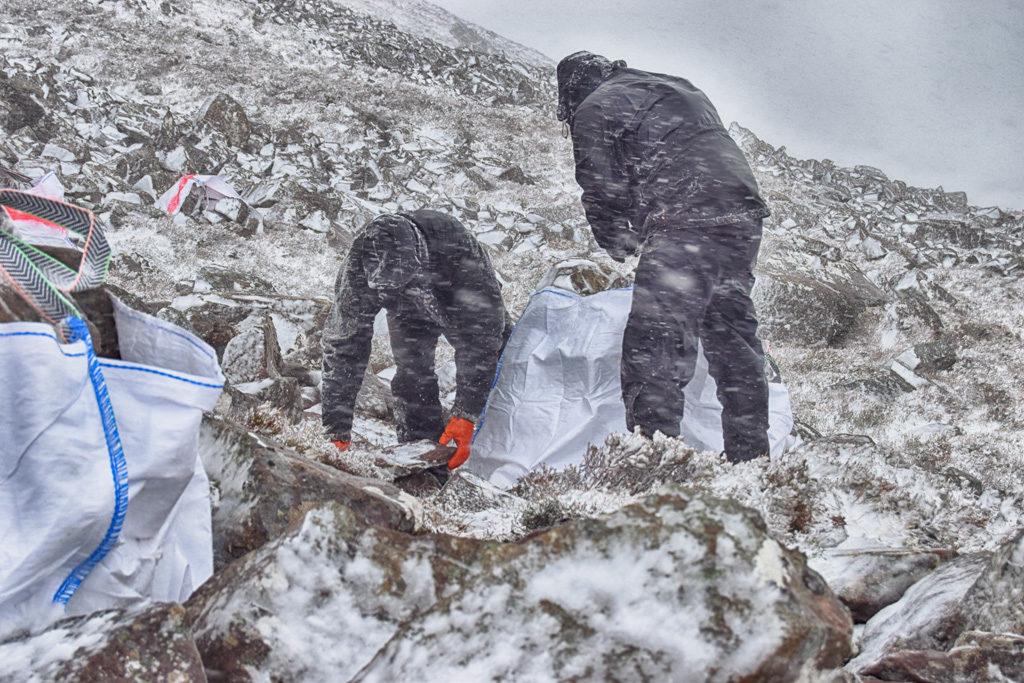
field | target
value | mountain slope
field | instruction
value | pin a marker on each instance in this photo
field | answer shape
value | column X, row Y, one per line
column 895, row 312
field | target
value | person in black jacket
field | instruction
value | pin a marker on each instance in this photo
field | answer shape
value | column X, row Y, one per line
column 433, row 278
column 660, row 175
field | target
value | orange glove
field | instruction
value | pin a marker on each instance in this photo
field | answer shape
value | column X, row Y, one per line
column 342, row 445
column 462, row 431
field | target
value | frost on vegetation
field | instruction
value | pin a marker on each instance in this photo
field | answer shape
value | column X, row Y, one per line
column 831, row 494
column 625, row 469
column 836, row 495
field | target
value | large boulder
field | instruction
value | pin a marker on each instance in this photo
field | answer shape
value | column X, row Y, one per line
column 980, row 593
column 213, row 319
column 18, row 105
column 225, row 115
column 677, row 584
column 374, row 398
column 261, row 487
column 148, row 643
column 317, row 603
column 996, row 602
column 281, row 393
column 807, row 295
column 254, row 353
column 868, row 580
column 220, row 314
column 977, row 657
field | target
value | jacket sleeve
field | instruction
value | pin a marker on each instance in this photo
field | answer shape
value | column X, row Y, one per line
column 607, row 193
column 347, row 337
column 480, row 335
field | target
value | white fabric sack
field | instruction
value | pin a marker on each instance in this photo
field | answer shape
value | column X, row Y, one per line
column 61, row 491
column 558, row 390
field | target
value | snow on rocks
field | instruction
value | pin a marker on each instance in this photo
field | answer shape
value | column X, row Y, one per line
column 808, row 296
column 152, row 643
column 254, row 353
column 869, row 579
column 860, row 267
column 926, row 617
column 410, row 458
column 976, row 656
column 262, row 487
column 318, row 602
column 980, row 593
column 225, row 115
column 675, row 584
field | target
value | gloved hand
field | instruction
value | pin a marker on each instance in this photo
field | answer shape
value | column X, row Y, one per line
column 342, row 446
column 462, row 431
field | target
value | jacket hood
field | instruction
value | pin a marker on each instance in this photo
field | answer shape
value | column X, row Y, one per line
column 579, row 74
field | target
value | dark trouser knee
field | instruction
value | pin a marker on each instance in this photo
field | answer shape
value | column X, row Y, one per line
column 659, row 346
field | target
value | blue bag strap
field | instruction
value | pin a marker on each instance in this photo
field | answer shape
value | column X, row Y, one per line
column 118, row 467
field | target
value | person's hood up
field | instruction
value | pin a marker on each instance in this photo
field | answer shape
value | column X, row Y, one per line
column 579, row 74
column 395, row 252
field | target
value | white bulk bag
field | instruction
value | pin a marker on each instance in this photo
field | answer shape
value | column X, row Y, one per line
column 98, row 510
column 558, row 390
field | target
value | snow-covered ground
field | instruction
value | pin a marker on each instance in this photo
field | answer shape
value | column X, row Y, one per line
column 349, row 115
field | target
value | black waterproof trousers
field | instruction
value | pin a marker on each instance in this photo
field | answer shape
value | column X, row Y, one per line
column 414, row 387
column 694, row 283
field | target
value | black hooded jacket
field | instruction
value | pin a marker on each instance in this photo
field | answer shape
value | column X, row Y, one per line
column 454, row 291
column 650, row 151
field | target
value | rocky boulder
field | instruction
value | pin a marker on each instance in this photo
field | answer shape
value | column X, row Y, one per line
column 214, row 320
column 868, row 580
column 261, row 487
column 977, row 657
column 317, row 603
column 983, row 593
column 254, row 353
column 18, row 105
column 805, row 294
column 225, row 115
column 221, row 307
column 374, row 398
column 149, row 643
column 282, row 393
column 676, row 584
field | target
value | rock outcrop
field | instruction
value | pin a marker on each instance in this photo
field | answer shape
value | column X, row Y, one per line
column 148, row 643
column 262, row 487
column 319, row 601
column 675, row 584
column 969, row 594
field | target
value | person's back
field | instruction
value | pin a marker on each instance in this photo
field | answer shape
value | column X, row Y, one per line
column 433, row 278
column 670, row 143
column 461, row 274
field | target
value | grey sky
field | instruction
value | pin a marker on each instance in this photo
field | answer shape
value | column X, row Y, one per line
column 930, row 91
